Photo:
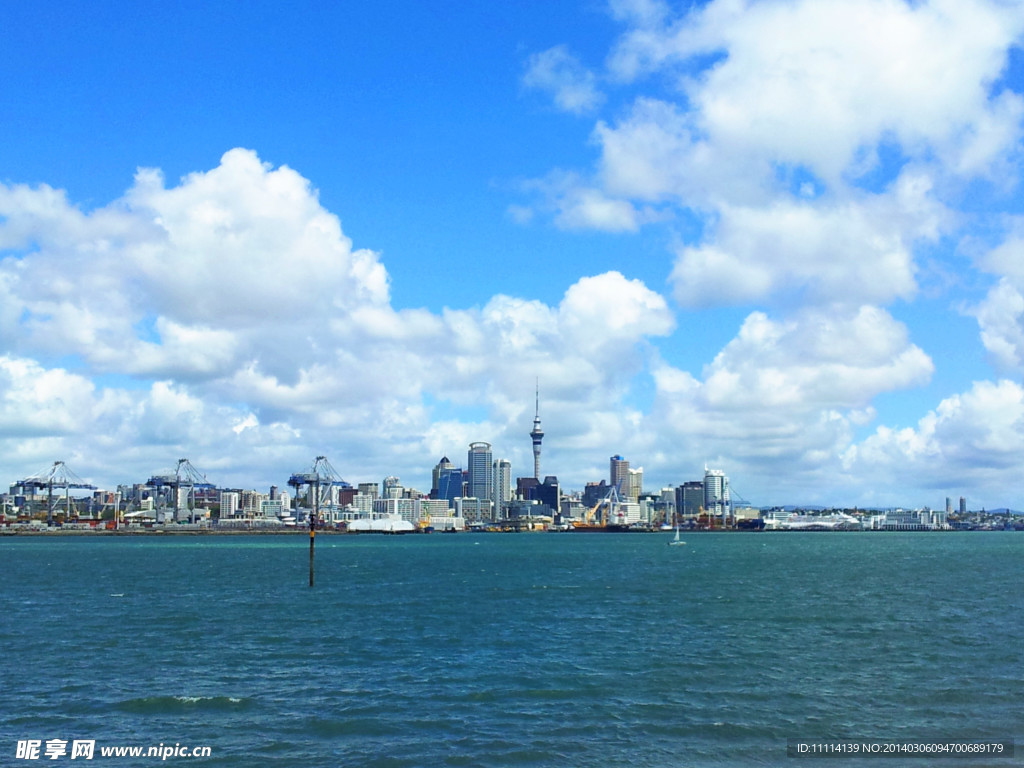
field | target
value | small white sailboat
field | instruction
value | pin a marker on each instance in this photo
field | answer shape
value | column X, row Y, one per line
column 677, row 542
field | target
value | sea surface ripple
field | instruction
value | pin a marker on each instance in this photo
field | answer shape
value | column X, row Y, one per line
column 600, row 650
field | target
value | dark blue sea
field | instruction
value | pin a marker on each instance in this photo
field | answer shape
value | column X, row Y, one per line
column 550, row 650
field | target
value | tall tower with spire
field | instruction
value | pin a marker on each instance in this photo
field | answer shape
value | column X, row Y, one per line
column 536, row 434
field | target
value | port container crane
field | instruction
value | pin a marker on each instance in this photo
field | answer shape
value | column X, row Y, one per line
column 316, row 483
column 184, row 476
column 57, row 476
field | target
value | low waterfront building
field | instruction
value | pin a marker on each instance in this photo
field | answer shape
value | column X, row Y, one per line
column 387, row 523
column 406, row 509
column 434, row 513
column 525, row 509
column 572, row 508
column 474, row 510
column 547, row 493
column 904, row 520
column 746, row 513
column 272, row 508
column 250, row 524
column 783, row 520
column 658, row 509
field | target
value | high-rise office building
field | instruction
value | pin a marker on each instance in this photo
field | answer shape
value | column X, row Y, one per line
column 501, row 485
column 442, row 465
column 391, row 488
column 480, row 481
column 548, row 493
column 618, row 473
column 633, row 486
column 690, row 498
column 524, row 486
column 449, row 485
column 536, row 435
column 716, row 493
column 593, row 493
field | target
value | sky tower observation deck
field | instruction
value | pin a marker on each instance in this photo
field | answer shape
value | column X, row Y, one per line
column 536, row 434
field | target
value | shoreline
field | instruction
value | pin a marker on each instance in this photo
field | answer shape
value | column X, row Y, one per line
column 143, row 532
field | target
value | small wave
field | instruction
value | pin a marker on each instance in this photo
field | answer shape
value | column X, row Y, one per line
column 164, row 704
column 352, row 726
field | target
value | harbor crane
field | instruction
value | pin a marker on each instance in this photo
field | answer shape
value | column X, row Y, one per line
column 317, row 484
column 185, row 476
column 58, row 476
column 607, row 512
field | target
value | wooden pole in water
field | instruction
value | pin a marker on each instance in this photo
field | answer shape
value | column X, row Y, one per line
column 312, row 538
column 314, row 514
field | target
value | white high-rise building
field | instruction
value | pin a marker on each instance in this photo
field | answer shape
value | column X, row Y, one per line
column 228, row 504
column 501, row 485
column 716, row 493
column 633, row 486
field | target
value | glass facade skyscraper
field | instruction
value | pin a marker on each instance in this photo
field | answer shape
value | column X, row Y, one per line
column 442, row 465
column 478, row 465
column 449, row 485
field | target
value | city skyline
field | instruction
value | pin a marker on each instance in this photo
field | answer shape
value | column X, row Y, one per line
column 780, row 239
column 500, row 476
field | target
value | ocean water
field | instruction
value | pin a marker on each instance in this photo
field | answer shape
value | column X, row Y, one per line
column 595, row 650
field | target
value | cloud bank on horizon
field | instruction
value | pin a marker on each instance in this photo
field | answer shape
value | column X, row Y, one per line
column 822, row 168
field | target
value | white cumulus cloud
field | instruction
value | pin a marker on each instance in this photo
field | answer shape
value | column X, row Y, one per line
column 558, row 72
column 971, row 440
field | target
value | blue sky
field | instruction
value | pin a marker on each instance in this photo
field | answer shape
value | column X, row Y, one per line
column 783, row 238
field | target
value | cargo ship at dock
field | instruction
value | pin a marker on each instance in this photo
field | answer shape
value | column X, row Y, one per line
column 609, row 528
column 609, row 516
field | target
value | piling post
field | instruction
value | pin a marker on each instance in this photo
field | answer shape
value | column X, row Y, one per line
column 312, row 538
